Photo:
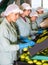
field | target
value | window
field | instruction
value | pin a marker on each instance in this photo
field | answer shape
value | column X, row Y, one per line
column 0, row 0
column 39, row 3
column 45, row 4
column 35, row 3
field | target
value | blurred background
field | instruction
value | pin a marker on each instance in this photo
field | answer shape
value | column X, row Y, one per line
column 33, row 3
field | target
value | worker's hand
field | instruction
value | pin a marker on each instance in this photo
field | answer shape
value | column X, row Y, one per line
column 25, row 45
column 31, row 43
column 40, row 31
column 24, row 39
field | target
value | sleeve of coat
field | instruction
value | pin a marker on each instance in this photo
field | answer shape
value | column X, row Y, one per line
column 33, row 32
column 6, row 46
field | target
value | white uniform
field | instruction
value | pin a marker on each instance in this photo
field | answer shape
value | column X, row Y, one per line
column 8, row 35
column 24, row 27
column 34, row 27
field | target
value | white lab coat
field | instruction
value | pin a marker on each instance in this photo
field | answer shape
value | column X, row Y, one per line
column 34, row 27
column 7, row 51
column 24, row 27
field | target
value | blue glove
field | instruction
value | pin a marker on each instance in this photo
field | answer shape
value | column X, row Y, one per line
column 24, row 39
column 40, row 31
column 25, row 45
column 22, row 46
column 31, row 43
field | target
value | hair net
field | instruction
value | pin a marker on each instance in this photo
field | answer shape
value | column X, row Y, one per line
column 12, row 8
column 25, row 6
column 39, row 9
column 33, row 14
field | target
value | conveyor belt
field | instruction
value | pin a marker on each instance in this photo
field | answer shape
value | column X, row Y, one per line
column 37, row 57
column 38, row 47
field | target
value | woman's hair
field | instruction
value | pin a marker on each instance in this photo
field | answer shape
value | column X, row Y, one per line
column 22, row 8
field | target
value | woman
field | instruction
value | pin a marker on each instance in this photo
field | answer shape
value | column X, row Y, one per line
column 23, row 22
column 34, row 25
column 41, row 15
column 8, row 36
column 40, row 10
column 33, row 17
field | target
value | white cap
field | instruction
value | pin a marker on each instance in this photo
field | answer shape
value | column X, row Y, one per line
column 39, row 9
column 26, row 6
column 10, row 9
column 33, row 14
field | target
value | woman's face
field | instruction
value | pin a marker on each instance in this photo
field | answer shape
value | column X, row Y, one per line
column 40, row 12
column 14, row 16
column 27, row 12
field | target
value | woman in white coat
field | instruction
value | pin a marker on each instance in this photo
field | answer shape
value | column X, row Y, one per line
column 8, row 36
column 23, row 22
column 34, row 26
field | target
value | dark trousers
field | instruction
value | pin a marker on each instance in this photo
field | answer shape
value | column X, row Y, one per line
column 38, row 47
